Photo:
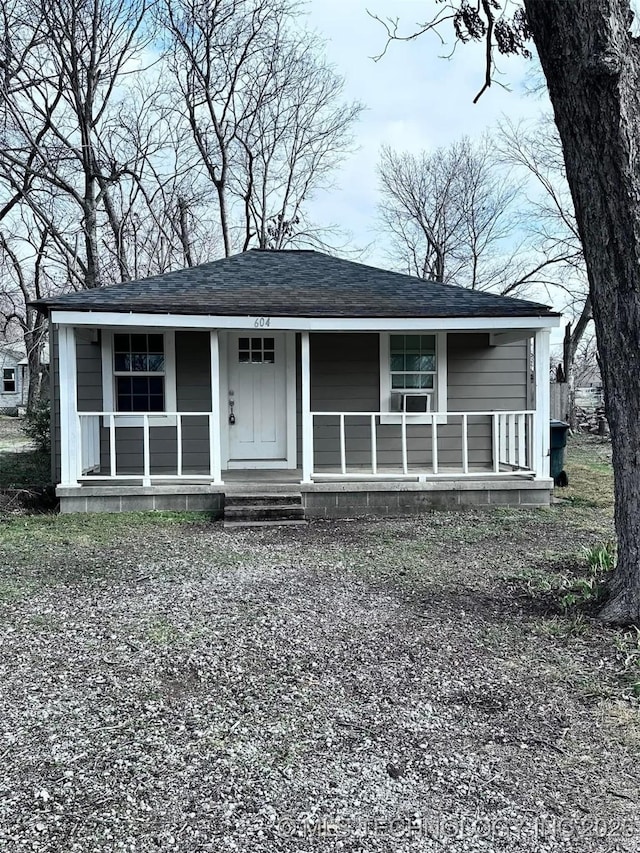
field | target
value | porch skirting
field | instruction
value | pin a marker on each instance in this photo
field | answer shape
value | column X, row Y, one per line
column 320, row 500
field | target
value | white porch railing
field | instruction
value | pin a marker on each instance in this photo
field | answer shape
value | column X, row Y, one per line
column 401, row 445
column 511, row 444
column 117, row 423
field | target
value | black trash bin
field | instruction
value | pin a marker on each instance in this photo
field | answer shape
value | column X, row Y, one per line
column 559, row 430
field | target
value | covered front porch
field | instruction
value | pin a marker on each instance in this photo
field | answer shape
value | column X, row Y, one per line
column 377, row 410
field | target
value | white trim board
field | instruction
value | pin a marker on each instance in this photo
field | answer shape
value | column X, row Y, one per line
column 311, row 324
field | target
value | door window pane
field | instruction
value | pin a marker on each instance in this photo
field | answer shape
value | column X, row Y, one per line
column 256, row 350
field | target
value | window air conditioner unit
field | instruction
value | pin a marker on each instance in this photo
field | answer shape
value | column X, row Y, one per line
column 411, row 402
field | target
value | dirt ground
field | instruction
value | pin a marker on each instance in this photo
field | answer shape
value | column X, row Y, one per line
column 356, row 686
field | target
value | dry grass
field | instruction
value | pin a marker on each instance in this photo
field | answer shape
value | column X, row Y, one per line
column 169, row 685
column 589, row 471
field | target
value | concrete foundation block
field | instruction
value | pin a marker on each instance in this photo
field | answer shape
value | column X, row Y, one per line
column 68, row 505
column 324, row 500
column 479, row 498
column 383, row 501
column 170, row 503
column 353, row 499
column 503, row 498
column 106, row 503
column 137, row 503
column 205, row 503
column 541, row 497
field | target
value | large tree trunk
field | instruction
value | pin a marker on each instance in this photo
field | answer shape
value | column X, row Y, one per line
column 592, row 67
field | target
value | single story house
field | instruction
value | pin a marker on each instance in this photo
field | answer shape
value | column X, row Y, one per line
column 358, row 389
column 14, row 376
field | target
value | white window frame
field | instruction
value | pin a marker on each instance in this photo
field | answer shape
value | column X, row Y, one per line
column 440, row 384
column 109, row 385
column 5, row 380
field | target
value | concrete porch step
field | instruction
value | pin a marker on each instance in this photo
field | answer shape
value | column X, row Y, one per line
column 242, row 499
column 263, row 512
column 262, row 509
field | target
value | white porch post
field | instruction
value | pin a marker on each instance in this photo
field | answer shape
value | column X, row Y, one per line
column 70, row 442
column 542, row 416
column 307, row 420
column 215, row 445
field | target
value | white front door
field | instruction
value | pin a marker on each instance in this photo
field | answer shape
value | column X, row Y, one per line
column 257, row 399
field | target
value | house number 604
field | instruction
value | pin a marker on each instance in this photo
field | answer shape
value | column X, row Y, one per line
column 262, row 322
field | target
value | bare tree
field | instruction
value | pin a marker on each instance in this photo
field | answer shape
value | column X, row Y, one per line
column 587, row 362
column 63, row 69
column 295, row 134
column 450, row 215
column 551, row 222
column 263, row 111
column 64, row 61
column 211, row 51
column 161, row 208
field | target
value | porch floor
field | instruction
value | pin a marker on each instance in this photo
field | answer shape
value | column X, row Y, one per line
column 263, row 477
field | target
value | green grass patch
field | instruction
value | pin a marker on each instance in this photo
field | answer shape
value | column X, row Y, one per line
column 23, row 469
column 88, row 529
column 574, row 585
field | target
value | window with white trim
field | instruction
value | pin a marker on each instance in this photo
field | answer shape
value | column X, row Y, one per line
column 139, row 372
column 412, row 366
column 413, row 373
column 139, row 375
column 9, row 380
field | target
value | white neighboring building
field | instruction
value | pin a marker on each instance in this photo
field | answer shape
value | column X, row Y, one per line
column 14, row 377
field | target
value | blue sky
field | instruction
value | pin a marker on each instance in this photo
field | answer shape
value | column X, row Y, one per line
column 414, row 99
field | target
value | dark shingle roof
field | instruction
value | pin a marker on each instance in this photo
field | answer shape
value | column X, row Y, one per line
column 293, row 283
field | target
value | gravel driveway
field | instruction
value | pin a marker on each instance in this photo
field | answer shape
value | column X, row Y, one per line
column 363, row 686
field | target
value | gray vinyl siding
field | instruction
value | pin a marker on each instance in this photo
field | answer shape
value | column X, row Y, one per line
column 484, row 377
column 89, row 370
column 88, row 383
column 345, row 372
column 10, row 401
column 193, row 394
column 345, row 377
